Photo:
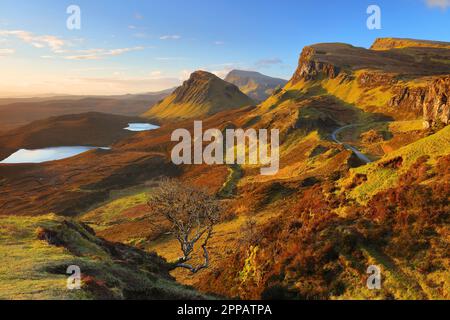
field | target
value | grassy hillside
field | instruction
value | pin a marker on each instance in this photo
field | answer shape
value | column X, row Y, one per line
column 397, row 43
column 36, row 253
column 383, row 174
column 308, row 232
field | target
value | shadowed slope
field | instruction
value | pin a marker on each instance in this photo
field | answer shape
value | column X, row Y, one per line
column 254, row 84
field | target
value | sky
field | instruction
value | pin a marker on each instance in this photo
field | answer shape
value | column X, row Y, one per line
column 140, row 46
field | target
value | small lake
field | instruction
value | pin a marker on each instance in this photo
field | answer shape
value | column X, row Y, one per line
column 141, row 127
column 46, row 154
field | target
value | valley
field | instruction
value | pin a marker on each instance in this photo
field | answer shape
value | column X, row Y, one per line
column 363, row 180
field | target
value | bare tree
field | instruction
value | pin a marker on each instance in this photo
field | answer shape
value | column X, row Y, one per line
column 250, row 233
column 192, row 214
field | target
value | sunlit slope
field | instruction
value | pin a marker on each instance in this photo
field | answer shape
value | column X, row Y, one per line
column 384, row 173
column 403, row 83
column 36, row 253
column 399, row 43
column 202, row 95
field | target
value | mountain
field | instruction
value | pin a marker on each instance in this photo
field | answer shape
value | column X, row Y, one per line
column 400, row 81
column 315, row 227
column 16, row 112
column 254, row 84
column 361, row 183
column 202, row 95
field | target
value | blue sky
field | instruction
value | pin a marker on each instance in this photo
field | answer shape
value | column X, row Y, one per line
column 137, row 46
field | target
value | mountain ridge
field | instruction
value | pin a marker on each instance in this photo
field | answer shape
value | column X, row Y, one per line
column 255, row 84
column 399, row 43
column 201, row 95
column 405, row 83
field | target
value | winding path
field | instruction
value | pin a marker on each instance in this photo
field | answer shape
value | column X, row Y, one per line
column 359, row 154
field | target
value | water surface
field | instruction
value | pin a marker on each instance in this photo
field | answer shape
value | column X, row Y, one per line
column 46, row 154
column 141, row 127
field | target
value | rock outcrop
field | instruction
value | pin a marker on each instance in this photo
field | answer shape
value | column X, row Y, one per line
column 408, row 98
column 431, row 100
column 411, row 77
column 436, row 106
column 310, row 67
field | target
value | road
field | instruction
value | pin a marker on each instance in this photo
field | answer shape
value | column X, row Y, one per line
column 359, row 154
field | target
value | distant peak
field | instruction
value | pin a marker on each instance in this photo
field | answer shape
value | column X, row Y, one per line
column 202, row 75
column 244, row 73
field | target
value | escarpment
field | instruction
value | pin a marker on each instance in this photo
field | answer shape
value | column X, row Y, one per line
column 436, row 107
column 402, row 77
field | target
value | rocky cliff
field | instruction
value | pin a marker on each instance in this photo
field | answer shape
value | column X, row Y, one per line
column 397, row 76
column 436, row 106
column 311, row 67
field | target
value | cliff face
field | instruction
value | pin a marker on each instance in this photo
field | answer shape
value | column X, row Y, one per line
column 436, row 107
column 431, row 100
column 310, row 67
column 410, row 76
column 408, row 98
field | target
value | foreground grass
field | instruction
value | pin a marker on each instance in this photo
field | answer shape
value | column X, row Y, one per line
column 36, row 269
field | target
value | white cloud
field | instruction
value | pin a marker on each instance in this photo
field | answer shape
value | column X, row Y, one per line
column 58, row 46
column 170, row 37
column 443, row 4
column 97, row 54
column 219, row 43
column 54, row 43
column 6, row 52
